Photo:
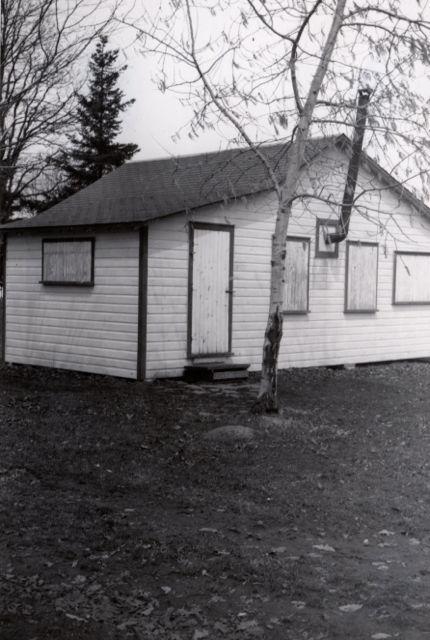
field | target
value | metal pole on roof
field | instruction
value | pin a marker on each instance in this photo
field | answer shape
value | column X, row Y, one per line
column 353, row 167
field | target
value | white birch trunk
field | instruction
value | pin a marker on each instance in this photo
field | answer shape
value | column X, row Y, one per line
column 267, row 396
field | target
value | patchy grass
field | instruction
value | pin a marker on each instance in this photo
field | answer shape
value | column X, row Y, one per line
column 119, row 520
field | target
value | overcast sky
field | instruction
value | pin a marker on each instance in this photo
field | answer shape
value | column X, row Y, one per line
column 155, row 117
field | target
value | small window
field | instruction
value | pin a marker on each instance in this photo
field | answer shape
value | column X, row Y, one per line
column 411, row 278
column 325, row 249
column 297, row 276
column 68, row 262
column 361, row 277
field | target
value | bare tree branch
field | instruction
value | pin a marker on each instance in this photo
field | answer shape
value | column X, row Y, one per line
column 290, row 70
column 42, row 43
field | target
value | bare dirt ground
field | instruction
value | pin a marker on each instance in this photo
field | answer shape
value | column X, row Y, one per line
column 119, row 520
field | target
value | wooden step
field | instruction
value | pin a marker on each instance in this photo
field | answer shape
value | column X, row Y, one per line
column 212, row 371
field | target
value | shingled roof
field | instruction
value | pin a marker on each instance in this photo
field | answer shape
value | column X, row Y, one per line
column 149, row 189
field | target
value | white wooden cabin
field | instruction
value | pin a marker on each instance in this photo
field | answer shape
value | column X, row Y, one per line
column 166, row 263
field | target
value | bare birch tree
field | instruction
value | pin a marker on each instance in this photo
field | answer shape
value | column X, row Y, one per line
column 41, row 45
column 262, row 67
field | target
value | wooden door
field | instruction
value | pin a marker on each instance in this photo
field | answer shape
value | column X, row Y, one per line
column 210, row 290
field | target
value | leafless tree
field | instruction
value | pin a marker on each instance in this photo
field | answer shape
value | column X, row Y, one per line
column 288, row 70
column 42, row 43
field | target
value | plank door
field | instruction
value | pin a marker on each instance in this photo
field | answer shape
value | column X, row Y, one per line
column 210, row 290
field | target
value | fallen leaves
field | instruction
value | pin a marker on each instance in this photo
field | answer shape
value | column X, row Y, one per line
column 350, row 608
column 324, row 547
column 380, row 566
column 277, row 550
column 251, row 627
column 199, row 528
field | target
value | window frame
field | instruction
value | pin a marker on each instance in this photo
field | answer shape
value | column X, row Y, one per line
column 321, row 253
column 302, row 312
column 365, row 244
column 406, row 303
column 68, row 283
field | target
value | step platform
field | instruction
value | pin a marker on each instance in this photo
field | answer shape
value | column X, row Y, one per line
column 215, row 371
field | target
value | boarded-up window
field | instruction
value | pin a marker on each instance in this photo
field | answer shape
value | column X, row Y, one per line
column 297, row 276
column 411, row 278
column 361, row 276
column 68, row 262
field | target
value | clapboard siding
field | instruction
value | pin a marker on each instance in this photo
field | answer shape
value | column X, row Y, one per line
column 326, row 336
column 85, row 329
column 96, row 328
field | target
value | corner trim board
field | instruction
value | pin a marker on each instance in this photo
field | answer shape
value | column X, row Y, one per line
column 142, row 304
column 3, row 332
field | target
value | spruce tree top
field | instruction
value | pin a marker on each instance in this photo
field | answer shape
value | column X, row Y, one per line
column 94, row 150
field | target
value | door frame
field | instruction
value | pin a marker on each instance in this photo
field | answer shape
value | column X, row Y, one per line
column 228, row 228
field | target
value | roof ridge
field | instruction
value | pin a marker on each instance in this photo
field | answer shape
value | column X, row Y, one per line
column 244, row 149
column 148, row 189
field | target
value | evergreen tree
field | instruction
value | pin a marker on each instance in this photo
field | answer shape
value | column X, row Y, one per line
column 94, row 151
